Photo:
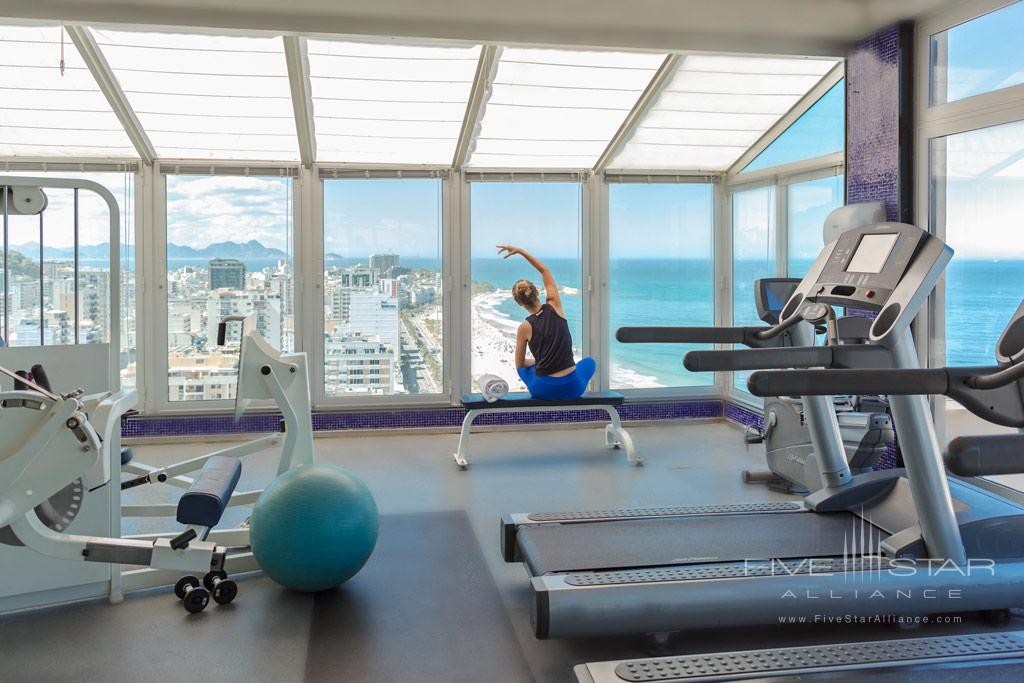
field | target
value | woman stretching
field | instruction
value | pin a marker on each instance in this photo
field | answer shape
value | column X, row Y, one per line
column 551, row 373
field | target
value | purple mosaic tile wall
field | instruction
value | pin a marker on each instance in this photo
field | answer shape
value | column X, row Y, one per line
column 201, row 425
column 879, row 132
column 744, row 416
column 879, row 121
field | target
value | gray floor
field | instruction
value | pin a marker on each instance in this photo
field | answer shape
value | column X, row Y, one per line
column 369, row 631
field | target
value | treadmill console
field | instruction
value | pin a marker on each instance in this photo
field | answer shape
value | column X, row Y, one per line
column 771, row 294
column 866, row 264
column 890, row 268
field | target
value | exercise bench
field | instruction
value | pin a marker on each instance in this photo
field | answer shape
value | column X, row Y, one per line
column 615, row 435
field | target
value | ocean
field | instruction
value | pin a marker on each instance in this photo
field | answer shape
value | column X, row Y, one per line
column 981, row 296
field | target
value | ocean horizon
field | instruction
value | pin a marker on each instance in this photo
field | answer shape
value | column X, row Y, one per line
column 981, row 296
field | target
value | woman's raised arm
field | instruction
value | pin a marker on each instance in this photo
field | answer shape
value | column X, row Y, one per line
column 550, row 286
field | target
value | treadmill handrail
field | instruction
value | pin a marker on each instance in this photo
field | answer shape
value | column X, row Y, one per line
column 990, row 392
column 831, row 381
column 841, row 356
column 750, row 336
column 759, row 359
column 894, row 382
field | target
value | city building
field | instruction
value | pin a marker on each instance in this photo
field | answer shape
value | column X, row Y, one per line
column 355, row 363
column 382, row 263
column 227, row 273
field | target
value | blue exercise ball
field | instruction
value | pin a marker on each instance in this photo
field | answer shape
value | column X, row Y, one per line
column 314, row 527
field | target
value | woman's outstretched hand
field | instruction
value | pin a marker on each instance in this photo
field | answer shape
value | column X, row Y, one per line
column 511, row 251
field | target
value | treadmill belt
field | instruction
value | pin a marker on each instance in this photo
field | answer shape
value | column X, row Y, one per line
column 553, row 548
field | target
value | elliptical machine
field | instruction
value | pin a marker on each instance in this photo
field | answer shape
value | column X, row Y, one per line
column 864, row 421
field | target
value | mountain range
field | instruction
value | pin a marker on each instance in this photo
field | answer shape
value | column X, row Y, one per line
column 239, row 250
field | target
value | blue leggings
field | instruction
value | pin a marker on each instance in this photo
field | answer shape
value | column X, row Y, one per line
column 568, row 387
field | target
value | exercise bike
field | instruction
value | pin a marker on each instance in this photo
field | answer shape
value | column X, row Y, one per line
column 264, row 373
column 55, row 451
column 864, row 421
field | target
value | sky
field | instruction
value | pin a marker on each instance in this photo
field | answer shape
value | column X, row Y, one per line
column 984, row 54
column 363, row 217
column 202, row 210
column 661, row 220
column 543, row 218
column 820, row 131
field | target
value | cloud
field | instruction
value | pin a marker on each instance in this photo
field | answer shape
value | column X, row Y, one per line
column 202, row 210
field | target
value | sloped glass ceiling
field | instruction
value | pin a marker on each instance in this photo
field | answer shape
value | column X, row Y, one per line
column 715, row 107
column 202, row 96
column 820, row 130
column 558, row 108
column 384, row 103
column 44, row 113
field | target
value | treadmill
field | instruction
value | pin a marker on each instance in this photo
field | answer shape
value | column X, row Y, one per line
column 612, row 572
column 995, row 393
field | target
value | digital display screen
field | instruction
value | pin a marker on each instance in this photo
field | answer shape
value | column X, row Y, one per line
column 777, row 294
column 872, row 253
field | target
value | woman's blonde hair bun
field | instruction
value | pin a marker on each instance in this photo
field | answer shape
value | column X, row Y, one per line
column 525, row 293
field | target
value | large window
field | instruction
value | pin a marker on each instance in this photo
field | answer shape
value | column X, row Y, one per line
column 819, row 131
column 383, row 299
column 977, row 197
column 49, row 302
column 229, row 252
column 978, row 56
column 753, row 253
column 544, row 219
column 808, row 203
column 662, row 273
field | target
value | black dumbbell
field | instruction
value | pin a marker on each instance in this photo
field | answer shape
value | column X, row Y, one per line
column 220, row 586
column 193, row 596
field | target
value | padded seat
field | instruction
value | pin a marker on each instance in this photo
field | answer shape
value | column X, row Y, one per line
column 524, row 400
column 204, row 502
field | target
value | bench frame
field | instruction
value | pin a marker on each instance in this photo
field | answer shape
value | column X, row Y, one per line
column 615, row 434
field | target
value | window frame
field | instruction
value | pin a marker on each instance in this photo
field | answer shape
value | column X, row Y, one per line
column 941, row 120
column 156, row 399
column 601, row 295
column 780, row 177
column 588, row 214
column 313, row 301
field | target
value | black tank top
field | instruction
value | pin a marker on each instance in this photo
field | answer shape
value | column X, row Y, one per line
column 551, row 342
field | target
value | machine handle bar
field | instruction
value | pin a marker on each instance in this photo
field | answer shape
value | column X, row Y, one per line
column 844, row 381
column 758, row 359
column 222, row 327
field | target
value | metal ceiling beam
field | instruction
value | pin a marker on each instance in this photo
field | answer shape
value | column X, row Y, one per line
column 111, row 89
column 825, row 84
column 478, row 96
column 297, row 57
column 647, row 97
